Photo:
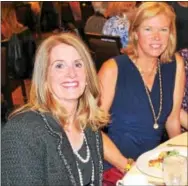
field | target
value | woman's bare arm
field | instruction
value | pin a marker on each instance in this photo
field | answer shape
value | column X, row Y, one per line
column 112, row 154
column 108, row 77
column 184, row 119
column 173, row 122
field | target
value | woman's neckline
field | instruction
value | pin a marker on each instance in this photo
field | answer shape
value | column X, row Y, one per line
column 154, row 81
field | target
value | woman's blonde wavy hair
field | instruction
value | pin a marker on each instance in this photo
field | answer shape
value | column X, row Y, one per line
column 145, row 11
column 88, row 112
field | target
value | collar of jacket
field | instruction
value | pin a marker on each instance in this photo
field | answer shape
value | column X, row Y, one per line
column 65, row 150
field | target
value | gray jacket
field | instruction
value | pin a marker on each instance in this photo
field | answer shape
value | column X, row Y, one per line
column 38, row 153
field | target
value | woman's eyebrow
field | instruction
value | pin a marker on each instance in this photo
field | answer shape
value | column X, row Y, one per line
column 58, row 60
column 62, row 60
column 79, row 59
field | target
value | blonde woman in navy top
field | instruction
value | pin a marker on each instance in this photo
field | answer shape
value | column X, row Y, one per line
column 145, row 92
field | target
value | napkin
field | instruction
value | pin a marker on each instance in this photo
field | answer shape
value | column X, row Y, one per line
column 111, row 176
column 136, row 179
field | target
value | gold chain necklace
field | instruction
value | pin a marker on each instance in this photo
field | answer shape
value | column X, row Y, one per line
column 155, row 125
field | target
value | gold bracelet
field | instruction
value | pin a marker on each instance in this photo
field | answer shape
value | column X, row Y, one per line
column 129, row 164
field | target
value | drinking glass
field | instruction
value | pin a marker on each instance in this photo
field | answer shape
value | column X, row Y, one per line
column 175, row 170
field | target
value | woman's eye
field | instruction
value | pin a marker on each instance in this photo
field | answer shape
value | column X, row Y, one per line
column 164, row 29
column 147, row 29
column 59, row 65
column 79, row 65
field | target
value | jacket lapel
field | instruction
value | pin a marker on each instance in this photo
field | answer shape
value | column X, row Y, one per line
column 91, row 139
column 65, row 150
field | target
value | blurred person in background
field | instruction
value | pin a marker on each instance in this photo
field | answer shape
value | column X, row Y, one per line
column 35, row 7
column 76, row 10
column 184, row 110
column 96, row 22
column 36, row 10
column 181, row 10
column 9, row 23
column 119, row 16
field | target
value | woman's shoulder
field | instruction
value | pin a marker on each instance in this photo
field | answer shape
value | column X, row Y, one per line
column 112, row 62
column 121, row 60
column 24, row 127
column 109, row 24
column 111, row 65
column 121, row 57
column 117, row 22
column 179, row 61
column 28, row 120
column 117, row 18
column 176, row 60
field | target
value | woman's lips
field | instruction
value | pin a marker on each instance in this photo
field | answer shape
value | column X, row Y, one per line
column 155, row 46
column 70, row 84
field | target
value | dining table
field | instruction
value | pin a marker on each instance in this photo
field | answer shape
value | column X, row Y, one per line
column 177, row 141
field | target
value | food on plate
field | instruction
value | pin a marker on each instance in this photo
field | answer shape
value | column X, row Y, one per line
column 157, row 161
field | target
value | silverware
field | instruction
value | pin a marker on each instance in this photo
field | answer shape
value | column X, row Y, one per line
column 176, row 145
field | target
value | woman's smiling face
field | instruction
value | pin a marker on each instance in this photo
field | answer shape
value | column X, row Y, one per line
column 66, row 73
column 153, row 36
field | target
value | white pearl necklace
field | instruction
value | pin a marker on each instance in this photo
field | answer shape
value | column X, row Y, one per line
column 87, row 152
column 81, row 176
column 85, row 161
column 72, row 179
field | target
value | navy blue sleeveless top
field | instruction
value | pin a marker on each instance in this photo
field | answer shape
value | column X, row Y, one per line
column 132, row 122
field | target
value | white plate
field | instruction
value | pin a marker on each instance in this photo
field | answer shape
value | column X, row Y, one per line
column 142, row 161
column 134, row 179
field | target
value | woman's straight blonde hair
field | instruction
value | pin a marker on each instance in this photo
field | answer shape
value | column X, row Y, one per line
column 41, row 99
column 145, row 11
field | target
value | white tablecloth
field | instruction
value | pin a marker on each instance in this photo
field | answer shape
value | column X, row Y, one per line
column 178, row 140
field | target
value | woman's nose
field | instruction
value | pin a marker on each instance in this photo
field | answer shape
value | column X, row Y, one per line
column 156, row 35
column 71, row 72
